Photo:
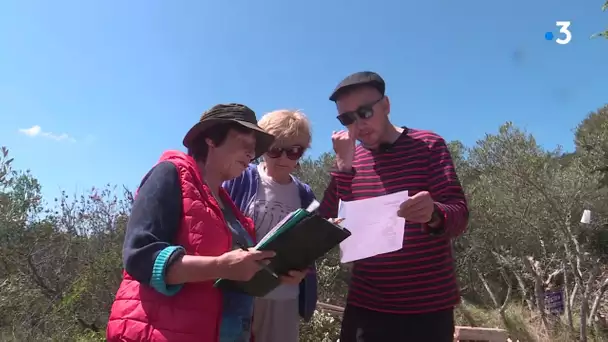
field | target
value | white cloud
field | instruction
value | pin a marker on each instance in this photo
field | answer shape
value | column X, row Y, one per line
column 32, row 131
column 36, row 131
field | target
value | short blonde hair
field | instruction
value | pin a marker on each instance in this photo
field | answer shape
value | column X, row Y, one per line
column 288, row 126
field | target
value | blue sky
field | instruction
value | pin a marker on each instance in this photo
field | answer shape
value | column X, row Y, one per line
column 124, row 80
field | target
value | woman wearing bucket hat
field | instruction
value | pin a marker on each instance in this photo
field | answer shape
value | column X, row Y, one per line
column 184, row 232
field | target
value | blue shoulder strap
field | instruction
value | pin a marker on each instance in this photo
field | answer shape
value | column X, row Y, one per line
column 306, row 195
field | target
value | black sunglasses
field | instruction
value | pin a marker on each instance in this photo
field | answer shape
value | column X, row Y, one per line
column 292, row 152
column 363, row 112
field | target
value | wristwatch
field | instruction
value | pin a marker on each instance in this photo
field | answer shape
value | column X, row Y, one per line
column 436, row 221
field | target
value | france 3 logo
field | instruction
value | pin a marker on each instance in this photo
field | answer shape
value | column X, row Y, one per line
column 565, row 36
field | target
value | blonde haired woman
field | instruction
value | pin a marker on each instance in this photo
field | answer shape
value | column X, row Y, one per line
column 267, row 193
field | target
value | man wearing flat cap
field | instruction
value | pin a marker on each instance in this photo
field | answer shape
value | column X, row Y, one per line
column 409, row 294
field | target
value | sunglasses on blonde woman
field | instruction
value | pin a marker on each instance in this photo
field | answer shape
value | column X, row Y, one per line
column 292, row 152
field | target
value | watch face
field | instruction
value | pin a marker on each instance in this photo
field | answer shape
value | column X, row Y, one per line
column 436, row 215
column 436, row 212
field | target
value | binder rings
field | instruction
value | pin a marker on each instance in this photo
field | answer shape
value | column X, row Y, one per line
column 298, row 240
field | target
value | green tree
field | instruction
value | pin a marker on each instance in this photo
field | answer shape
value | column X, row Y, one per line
column 605, row 32
column 332, row 274
column 59, row 268
column 591, row 139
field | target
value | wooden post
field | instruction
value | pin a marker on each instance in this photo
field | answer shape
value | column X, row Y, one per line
column 479, row 334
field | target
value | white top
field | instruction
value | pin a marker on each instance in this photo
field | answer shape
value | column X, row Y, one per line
column 272, row 203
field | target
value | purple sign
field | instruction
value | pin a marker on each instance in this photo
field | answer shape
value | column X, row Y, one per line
column 554, row 302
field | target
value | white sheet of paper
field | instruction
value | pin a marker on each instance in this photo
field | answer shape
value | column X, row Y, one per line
column 374, row 224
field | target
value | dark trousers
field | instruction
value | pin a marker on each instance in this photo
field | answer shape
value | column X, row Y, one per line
column 362, row 325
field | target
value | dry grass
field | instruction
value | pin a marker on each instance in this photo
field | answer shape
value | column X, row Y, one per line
column 520, row 325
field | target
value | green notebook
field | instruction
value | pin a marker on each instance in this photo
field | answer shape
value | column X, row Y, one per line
column 285, row 224
column 298, row 241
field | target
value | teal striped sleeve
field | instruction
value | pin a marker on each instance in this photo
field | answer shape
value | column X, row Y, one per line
column 159, row 270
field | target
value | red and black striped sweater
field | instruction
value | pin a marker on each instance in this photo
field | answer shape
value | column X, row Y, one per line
column 420, row 277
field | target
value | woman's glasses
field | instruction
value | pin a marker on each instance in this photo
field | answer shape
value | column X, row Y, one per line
column 292, row 152
column 363, row 112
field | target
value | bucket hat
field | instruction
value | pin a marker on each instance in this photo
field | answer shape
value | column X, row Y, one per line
column 231, row 113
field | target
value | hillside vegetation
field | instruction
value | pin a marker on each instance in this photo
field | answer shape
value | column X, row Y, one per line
column 60, row 267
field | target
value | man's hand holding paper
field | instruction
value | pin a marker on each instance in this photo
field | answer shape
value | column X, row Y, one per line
column 418, row 208
column 421, row 208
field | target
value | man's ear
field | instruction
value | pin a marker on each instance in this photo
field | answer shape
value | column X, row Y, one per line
column 387, row 105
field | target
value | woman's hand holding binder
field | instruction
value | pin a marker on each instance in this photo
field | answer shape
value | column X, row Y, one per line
column 298, row 241
column 242, row 265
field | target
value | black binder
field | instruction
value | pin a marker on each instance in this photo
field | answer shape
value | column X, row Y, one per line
column 297, row 246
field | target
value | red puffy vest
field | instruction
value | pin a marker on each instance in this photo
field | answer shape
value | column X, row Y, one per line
column 140, row 313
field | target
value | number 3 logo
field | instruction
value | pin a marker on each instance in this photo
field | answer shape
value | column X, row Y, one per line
column 564, row 25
